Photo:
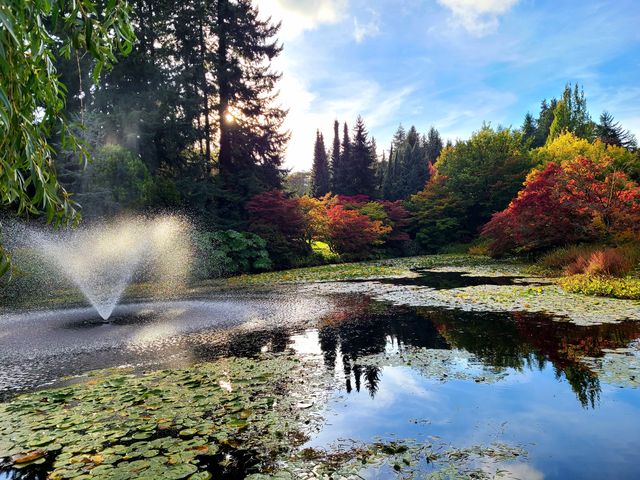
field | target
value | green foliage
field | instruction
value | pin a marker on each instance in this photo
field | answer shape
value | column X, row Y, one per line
column 323, row 249
column 473, row 180
column 229, row 253
column 353, row 170
column 600, row 286
column 32, row 99
column 298, row 183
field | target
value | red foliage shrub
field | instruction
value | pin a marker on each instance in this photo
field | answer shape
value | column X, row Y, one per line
column 399, row 219
column 281, row 222
column 577, row 201
column 351, row 233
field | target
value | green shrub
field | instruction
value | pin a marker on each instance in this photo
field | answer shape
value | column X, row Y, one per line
column 229, row 252
column 625, row 288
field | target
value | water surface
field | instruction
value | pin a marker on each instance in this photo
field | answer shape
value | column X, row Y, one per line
column 441, row 376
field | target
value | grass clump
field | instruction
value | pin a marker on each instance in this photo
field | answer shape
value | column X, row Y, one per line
column 591, row 260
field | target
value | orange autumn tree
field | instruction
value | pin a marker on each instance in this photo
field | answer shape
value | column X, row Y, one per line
column 353, row 234
column 315, row 210
column 578, row 200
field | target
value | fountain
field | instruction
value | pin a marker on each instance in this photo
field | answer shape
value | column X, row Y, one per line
column 101, row 259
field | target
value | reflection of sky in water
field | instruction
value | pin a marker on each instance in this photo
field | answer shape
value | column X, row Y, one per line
column 532, row 409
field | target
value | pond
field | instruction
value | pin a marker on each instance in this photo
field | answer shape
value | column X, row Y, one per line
column 565, row 396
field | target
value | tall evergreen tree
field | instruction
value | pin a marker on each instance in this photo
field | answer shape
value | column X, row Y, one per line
column 251, row 141
column 342, row 174
column 414, row 166
column 388, row 187
column 433, row 145
column 361, row 166
column 196, row 93
column 529, row 129
column 543, row 123
column 381, row 173
column 335, row 156
column 320, row 170
column 611, row 132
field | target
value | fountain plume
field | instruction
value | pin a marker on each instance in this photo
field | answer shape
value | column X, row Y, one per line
column 102, row 259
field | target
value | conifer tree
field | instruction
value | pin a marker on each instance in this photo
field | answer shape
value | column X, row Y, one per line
column 251, row 141
column 342, row 174
column 611, row 132
column 361, row 179
column 335, row 156
column 320, row 170
column 528, row 129
column 433, row 145
column 387, row 185
column 543, row 124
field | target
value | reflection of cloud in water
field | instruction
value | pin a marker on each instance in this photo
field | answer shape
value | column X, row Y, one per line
column 519, row 471
column 402, row 379
column 307, row 343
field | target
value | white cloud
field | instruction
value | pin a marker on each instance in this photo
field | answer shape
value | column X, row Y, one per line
column 478, row 17
column 298, row 16
column 367, row 29
column 308, row 111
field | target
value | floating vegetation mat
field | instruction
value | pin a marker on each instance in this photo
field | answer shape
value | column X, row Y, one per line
column 234, row 415
column 406, row 459
column 234, row 418
column 549, row 299
column 619, row 367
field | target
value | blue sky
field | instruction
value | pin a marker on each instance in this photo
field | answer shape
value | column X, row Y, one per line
column 449, row 63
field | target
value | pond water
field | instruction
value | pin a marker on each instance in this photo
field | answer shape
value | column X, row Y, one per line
column 445, row 377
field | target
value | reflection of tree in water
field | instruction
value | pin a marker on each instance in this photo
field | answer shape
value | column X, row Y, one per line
column 518, row 341
column 361, row 327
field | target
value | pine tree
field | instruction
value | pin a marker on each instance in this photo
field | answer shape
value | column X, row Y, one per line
column 361, row 165
column 543, row 124
column 388, row 189
column 335, row 156
column 528, row 129
column 320, row 170
column 400, row 136
column 413, row 164
column 433, row 145
column 381, row 173
column 251, row 141
column 611, row 132
column 342, row 174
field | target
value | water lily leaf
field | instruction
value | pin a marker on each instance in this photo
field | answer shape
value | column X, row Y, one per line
column 176, row 472
column 29, row 456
